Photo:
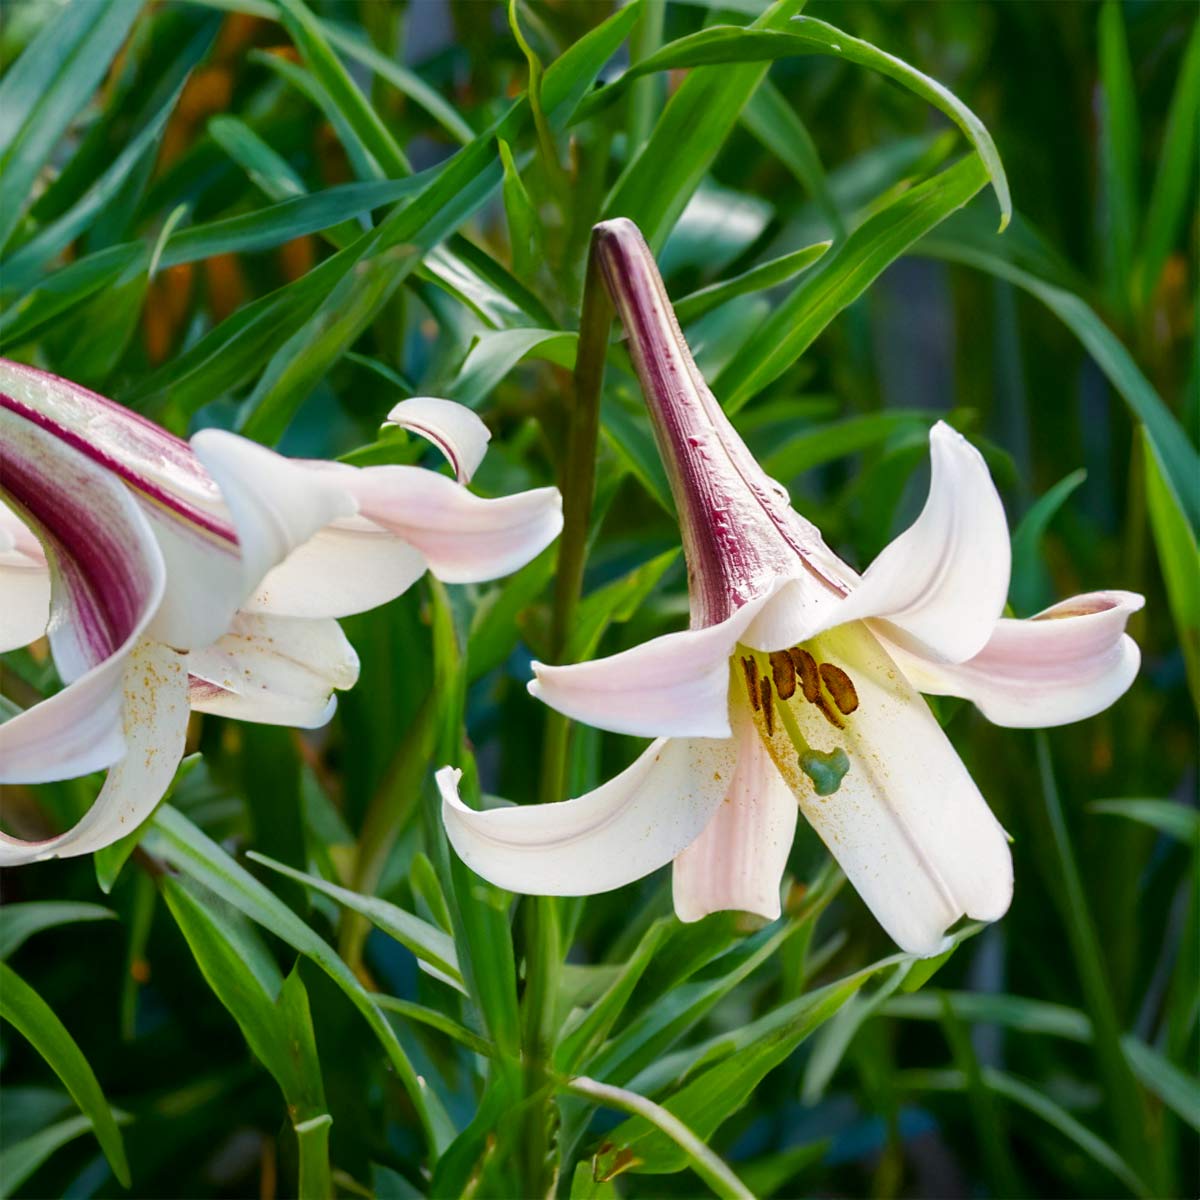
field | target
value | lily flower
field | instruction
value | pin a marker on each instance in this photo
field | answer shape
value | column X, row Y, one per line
column 798, row 684
column 171, row 576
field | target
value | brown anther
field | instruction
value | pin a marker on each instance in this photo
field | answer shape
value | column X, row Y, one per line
column 840, row 687
column 828, row 713
column 806, row 668
column 768, row 706
column 783, row 671
column 750, row 667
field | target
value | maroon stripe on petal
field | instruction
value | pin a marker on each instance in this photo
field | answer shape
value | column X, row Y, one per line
column 105, row 585
column 136, row 450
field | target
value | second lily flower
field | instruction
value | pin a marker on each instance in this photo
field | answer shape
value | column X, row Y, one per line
column 798, row 683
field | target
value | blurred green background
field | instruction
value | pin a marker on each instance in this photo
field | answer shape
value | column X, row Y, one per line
column 1054, row 1054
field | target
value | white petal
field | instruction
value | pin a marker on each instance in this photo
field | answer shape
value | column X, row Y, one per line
column 108, row 580
column 276, row 504
column 907, row 824
column 1067, row 663
column 154, row 715
column 24, row 583
column 738, row 861
column 625, row 829
column 463, row 537
column 347, row 567
column 274, row 670
column 676, row 685
column 943, row 582
column 453, row 428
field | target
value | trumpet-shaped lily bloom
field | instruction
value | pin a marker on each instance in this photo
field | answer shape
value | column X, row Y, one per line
column 171, row 576
column 798, row 686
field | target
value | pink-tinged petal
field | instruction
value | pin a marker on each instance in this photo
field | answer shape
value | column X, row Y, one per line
column 738, row 861
column 943, row 582
column 1069, row 662
column 453, row 428
column 464, row 538
column 24, row 584
column 630, row 826
column 676, row 685
column 181, row 501
column 276, row 504
column 274, row 670
column 907, row 823
column 347, row 567
column 153, row 713
column 107, row 581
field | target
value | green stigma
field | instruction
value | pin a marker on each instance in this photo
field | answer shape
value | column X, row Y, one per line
column 826, row 769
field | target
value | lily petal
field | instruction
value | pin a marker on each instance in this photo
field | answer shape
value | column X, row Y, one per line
column 628, row 827
column 457, row 431
column 942, row 583
column 738, row 861
column 464, row 538
column 907, row 824
column 274, row 670
column 108, row 580
column 347, row 567
column 153, row 721
column 24, row 584
column 276, row 504
column 1069, row 662
column 676, row 685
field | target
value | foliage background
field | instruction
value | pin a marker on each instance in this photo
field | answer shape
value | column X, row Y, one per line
column 1053, row 1054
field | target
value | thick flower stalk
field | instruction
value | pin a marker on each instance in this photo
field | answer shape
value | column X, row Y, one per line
column 171, row 576
column 797, row 686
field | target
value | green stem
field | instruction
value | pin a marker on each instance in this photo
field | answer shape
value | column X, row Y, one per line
column 1125, row 1100
column 543, row 949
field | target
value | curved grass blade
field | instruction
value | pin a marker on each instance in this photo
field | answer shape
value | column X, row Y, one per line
column 1028, row 586
column 36, row 1021
column 724, row 44
column 697, row 1155
column 19, row 922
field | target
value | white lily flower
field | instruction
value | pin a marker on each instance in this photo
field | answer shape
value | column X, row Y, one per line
column 798, row 684
column 171, row 576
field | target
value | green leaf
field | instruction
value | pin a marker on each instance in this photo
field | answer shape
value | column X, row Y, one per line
column 616, row 601
column 816, row 446
column 578, row 1039
column 20, row 921
column 35, row 1020
column 1027, row 571
column 494, row 354
column 524, row 228
column 1179, row 456
column 1119, row 151
column 656, row 186
column 1178, row 557
column 66, row 62
column 767, row 275
column 494, row 630
column 1175, row 178
column 19, row 1160
column 180, row 843
column 723, row 44
column 426, row 941
column 844, row 274
column 691, row 1148
column 272, row 1014
column 434, row 1019
column 309, row 36
column 1176, row 820
column 712, row 1095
